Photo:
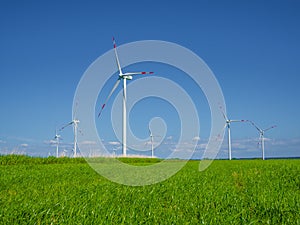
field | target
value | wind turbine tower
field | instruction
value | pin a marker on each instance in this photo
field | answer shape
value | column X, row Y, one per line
column 57, row 137
column 151, row 139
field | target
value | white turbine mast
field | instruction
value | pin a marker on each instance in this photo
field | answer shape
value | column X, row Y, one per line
column 151, row 140
column 124, row 77
column 261, row 137
column 75, row 123
column 57, row 137
column 227, row 124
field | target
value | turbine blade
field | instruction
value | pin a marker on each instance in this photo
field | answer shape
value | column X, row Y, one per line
column 238, row 120
column 111, row 92
column 222, row 130
column 68, row 124
column 259, row 130
column 150, row 132
column 117, row 58
column 223, row 113
column 270, row 128
column 224, row 127
column 137, row 73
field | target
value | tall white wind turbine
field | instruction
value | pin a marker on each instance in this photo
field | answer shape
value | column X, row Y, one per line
column 124, row 77
column 75, row 123
column 261, row 137
column 227, row 124
column 151, row 140
column 57, row 137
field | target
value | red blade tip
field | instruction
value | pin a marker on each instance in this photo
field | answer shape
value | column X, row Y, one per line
column 146, row 72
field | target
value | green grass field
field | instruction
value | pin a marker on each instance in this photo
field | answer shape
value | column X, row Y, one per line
column 68, row 191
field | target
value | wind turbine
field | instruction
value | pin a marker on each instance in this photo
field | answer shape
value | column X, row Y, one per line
column 75, row 123
column 227, row 124
column 124, row 77
column 64, row 153
column 57, row 137
column 261, row 137
column 152, row 141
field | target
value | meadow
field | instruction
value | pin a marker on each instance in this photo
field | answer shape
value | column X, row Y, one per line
column 69, row 191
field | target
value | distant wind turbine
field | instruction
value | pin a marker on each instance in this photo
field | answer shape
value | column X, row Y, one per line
column 261, row 137
column 152, row 141
column 75, row 123
column 124, row 77
column 64, row 153
column 227, row 124
column 57, row 137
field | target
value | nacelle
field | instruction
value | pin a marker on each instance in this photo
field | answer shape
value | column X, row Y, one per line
column 127, row 77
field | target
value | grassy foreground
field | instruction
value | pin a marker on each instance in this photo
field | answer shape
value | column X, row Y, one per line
column 68, row 191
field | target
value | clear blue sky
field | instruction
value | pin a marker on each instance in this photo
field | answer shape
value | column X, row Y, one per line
column 252, row 47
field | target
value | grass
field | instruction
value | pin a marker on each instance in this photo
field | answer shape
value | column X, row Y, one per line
column 68, row 191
